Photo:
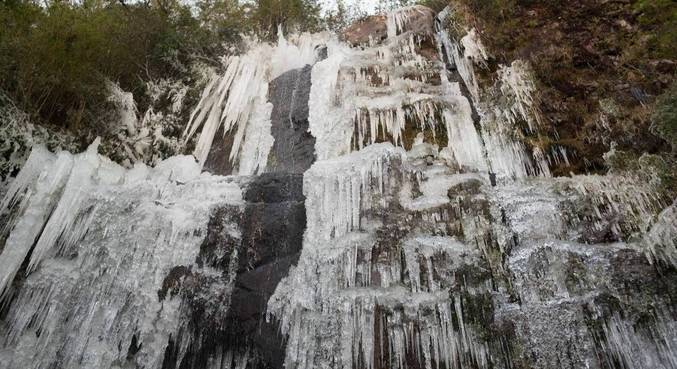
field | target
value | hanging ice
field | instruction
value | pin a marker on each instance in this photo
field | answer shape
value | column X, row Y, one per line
column 106, row 239
column 414, row 255
column 237, row 101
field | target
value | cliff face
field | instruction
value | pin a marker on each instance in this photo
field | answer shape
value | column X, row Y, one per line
column 388, row 198
column 601, row 68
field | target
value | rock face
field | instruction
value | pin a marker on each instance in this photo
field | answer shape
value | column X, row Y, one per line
column 269, row 238
column 401, row 217
column 377, row 28
column 372, row 29
column 294, row 147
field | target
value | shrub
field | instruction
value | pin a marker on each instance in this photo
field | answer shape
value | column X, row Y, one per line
column 664, row 118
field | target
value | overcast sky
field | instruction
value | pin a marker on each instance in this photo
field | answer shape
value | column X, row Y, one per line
column 368, row 6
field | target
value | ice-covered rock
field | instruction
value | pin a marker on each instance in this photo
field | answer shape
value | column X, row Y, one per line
column 390, row 210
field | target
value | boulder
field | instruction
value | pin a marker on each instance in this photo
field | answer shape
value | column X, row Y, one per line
column 417, row 19
column 373, row 28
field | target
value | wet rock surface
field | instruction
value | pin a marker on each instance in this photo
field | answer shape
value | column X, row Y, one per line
column 218, row 160
column 247, row 249
column 294, row 147
column 246, row 252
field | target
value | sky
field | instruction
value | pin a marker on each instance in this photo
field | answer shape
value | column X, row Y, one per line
column 368, row 6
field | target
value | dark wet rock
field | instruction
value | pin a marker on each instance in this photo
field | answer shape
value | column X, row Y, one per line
column 294, row 147
column 321, row 52
column 470, row 186
column 173, row 281
column 222, row 238
column 273, row 227
column 275, row 187
column 249, row 301
column 218, row 160
column 248, row 250
column 245, row 254
column 272, row 231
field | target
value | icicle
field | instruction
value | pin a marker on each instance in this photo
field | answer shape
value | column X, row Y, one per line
column 517, row 85
column 239, row 98
column 330, row 122
column 473, row 48
column 455, row 57
column 625, row 345
column 18, row 192
column 80, row 303
column 462, row 135
column 255, row 149
column 31, row 220
column 338, row 190
column 323, row 292
column 661, row 239
column 62, row 223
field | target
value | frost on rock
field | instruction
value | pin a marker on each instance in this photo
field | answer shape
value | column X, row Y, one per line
column 387, row 298
column 391, row 91
column 237, row 101
column 506, row 110
column 105, row 238
column 435, row 235
column 422, row 258
column 408, row 263
column 379, row 94
column 661, row 238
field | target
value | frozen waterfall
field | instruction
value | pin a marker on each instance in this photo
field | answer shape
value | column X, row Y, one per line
column 423, row 227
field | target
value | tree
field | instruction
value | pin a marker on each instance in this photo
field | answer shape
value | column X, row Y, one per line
column 291, row 15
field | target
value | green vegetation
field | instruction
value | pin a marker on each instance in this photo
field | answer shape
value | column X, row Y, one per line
column 665, row 117
column 56, row 56
column 659, row 19
column 588, row 56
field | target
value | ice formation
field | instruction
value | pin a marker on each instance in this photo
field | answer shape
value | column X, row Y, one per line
column 435, row 235
column 343, row 284
column 363, row 96
column 382, row 266
column 238, row 100
column 105, row 238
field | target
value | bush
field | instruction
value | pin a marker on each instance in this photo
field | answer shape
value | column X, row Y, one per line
column 659, row 17
column 664, row 118
column 55, row 60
